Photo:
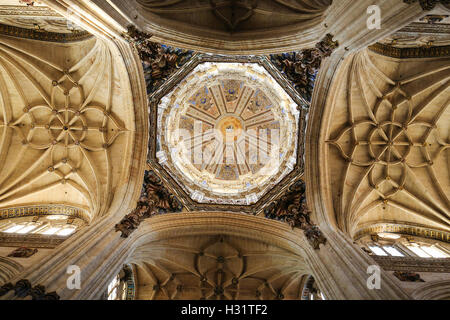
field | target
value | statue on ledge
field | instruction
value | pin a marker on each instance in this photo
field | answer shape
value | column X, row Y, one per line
column 155, row 199
column 159, row 61
column 301, row 67
column 292, row 208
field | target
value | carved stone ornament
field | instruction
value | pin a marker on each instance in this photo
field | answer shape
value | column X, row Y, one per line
column 408, row 276
column 301, row 67
column 292, row 208
column 23, row 252
column 159, row 61
column 413, row 264
column 155, row 199
column 28, row 2
column 23, row 289
column 428, row 4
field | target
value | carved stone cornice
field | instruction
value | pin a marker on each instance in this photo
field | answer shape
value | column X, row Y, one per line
column 292, row 208
column 429, row 28
column 406, row 229
column 30, row 240
column 428, row 5
column 23, row 288
column 44, row 210
column 301, row 67
column 40, row 35
column 155, row 199
column 416, row 52
column 410, row 264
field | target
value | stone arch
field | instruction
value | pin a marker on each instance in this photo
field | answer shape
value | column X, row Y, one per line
column 8, row 269
column 439, row 290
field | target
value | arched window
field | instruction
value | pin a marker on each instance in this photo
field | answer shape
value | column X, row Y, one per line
column 311, row 291
column 122, row 286
column 39, row 225
column 396, row 245
column 427, row 251
column 386, row 250
column 114, row 289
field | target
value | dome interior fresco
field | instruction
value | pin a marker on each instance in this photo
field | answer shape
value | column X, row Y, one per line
column 227, row 132
column 430, row 30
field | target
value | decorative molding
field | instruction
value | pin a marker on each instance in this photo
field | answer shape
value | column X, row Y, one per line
column 31, row 240
column 413, row 264
column 43, row 210
column 29, row 11
column 41, row 35
column 23, row 288
column 409, row 53
column 23, row 252
column 300, row 68
column 405, row 229
column 291, row 208
column 428, row 5
column 155, row 199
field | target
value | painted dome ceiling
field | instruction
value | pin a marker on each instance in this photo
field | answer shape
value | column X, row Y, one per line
column 227, row 133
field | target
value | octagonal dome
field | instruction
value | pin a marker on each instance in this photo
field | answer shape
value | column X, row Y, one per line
column 227, row 133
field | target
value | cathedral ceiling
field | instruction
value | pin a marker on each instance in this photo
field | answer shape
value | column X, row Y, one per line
column 250, row 132
column 227, row 133
column 235, row 17
column 428, row 36
column 388, row 143
column 217, row 267
column 67, row 123
column 430, row 30
column 232, row 26
column 37, row 22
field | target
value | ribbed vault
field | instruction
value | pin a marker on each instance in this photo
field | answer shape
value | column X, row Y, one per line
column 217, row 267
column 8, row 269
column 66, row 124
column 228, row 26
column 388, row 143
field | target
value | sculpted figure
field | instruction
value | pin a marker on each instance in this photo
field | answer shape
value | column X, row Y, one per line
column 155, row 199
